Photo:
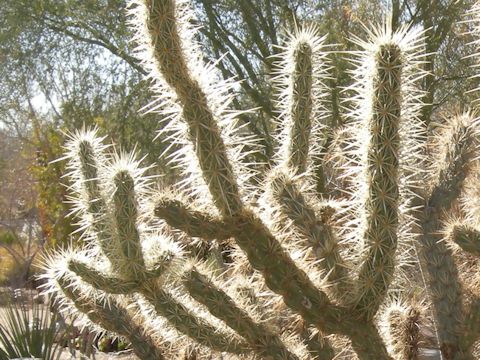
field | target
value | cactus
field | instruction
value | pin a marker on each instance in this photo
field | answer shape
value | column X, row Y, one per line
column 306, row 271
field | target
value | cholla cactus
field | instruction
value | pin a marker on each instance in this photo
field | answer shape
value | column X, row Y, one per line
column 305, row 271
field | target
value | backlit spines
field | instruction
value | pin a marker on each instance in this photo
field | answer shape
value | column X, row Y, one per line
column 459, row 150
column 386, row 140
column 314, row 231
column 298, row 258
column 403, row 324
column 206, row 129
column 262, row 341
column 302, row 70
column 86, row 161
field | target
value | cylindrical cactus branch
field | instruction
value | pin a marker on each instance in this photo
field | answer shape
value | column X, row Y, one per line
column 382, row 144
column 188, row 323
column 300, row 74
column 318, row 232
column 403, row 331
column 382, row 171
column 263, row 342
column 101, row 281
column 125, row 215
column 203, row 129
column 467, row 238
column 301, row 108
column 85, row 152
column 460, row 149
column 115, row 318
column 179, row 215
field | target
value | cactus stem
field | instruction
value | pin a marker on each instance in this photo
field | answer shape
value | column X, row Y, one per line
column 443, row 277
column 194, row 223
column 101, row 281
column 467, row 238
column 263, row 342
column 318, row 232
column 382, row 171
column 204, row 132
column 182, row 319
column 113, row 318
column 125, row 214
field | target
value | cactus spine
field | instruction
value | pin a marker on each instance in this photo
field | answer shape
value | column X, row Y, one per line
column 294, row 251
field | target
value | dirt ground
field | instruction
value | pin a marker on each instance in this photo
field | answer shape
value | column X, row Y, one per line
column 126, row 355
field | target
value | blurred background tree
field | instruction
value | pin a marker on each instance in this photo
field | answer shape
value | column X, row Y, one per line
column 70, row 63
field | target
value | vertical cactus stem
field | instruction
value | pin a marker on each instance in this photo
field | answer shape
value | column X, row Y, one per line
column 472, row 326
column 204, row 132
column 467, row 238
column 263, row 342
column 382, row 167
column 301, row 109
column 443, row 278
column 97, row 207
column 131, row 265
column 186, row 322
column 319, row 234
column 113, row 318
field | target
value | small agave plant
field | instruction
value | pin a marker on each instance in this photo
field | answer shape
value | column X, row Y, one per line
column 295, row 273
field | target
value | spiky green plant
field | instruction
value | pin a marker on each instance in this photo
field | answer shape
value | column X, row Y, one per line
column 304, row 275
column 28, row 330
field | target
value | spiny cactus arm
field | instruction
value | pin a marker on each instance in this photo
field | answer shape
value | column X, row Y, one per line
column 281, row 275
column 301, row 109
column 471, row 329
column 194, row 223
column 204, row 132
column 182, row 319
column 382, row 168
column 443, row 282
column 403, row 331
column 100, row 280
column 262, row 340
column 319, row 348
column 86, row 155
column 299, row 293
column 301, row 71
column 443, row 277
column 113, row 317
column 458, row 146
column 366, row 340
column 127, row 236
column 467, row 238
column 317, row 231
